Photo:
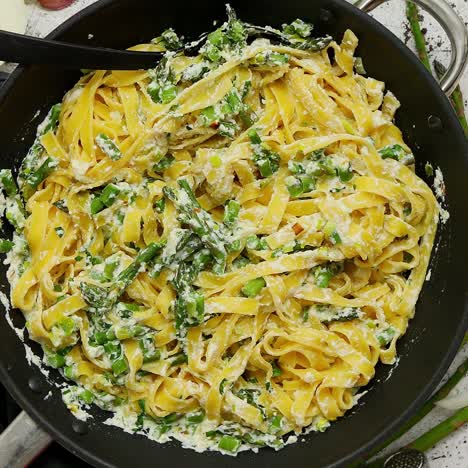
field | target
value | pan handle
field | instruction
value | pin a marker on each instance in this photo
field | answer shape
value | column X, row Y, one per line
column 21, row 442
column 455, row 29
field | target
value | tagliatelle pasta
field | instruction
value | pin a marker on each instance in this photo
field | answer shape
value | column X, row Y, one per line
column 222, row 249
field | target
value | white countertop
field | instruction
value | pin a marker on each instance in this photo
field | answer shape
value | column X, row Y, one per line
column 453, row 451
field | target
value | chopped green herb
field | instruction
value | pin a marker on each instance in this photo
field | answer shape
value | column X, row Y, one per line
column 196, row 418
column 6, row 245
column 429, row 169
column 44, row 170
column 270, row 59
column 298, row 35
column 228, row 129
column 253, row 287
column 267, row 162
column 96, row 205
column 108, row 147
column 240, row 262
column 386, row 336
column 254, row 137
column 178, row 359
column 67, row 325
column 109, row 195
column 230, row 37
column 276, row 370
column 69, row 372
column 87, row 397
column 164, row 163
column 119, row 366
column 359, row 66
column 298, row 29
column 345, row 173
column 8, row 183
column 210, row 115
column 324, row 273
column 61, row 205
column 55, row 360
column 222, row 386
column 407, row 257
column 397, row 153
column 160, row 205
column 60, row 231
column 328, row 313
column 169, row 40
column 229, row 443
column 256, row 243
column 231, row 212
column 162, row 87
column 276, row 423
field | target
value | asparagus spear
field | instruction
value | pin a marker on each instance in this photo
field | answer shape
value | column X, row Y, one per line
column 456, row 98
column 460, row 417
column 231, row 212
column 163, row 85
column 100, row 297
column 324, row 273
column 51, row 120
column 253, row 287
column 266, row 160
column 43, row 171
column 296, row 35
column 5, row 245
column 116, row 355
column 443, row 391
column 412, row 13
column 15, row 211
column 145, row 256
column 169, row 40
column 200, row 222
column 439, row 395
column 108, row 147
column 442, row 430
column 433, row 436
column 30, row 174
column 8, row 183
column 190, row 306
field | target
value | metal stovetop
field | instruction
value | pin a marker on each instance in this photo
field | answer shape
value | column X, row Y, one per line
column 55, row 456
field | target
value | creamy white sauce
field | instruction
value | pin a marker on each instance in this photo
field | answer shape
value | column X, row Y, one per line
column 439, row 190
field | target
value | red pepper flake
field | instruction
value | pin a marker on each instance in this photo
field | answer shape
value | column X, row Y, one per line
column 297, row 228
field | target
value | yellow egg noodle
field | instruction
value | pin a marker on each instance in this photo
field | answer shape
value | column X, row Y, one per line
column 222, row 258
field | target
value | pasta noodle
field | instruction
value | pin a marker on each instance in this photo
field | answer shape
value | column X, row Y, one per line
column 223, row 258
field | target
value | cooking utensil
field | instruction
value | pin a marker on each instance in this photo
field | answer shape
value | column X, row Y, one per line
column 406, row 458
column 28, row 50
column 21, row 442
column 430, row 127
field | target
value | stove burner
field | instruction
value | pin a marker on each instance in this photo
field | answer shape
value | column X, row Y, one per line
column 55, row 456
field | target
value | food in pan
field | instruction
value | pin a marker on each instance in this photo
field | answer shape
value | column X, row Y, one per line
column 220, row 250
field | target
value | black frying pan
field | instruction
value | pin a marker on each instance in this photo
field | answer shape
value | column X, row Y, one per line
column 430, row 127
